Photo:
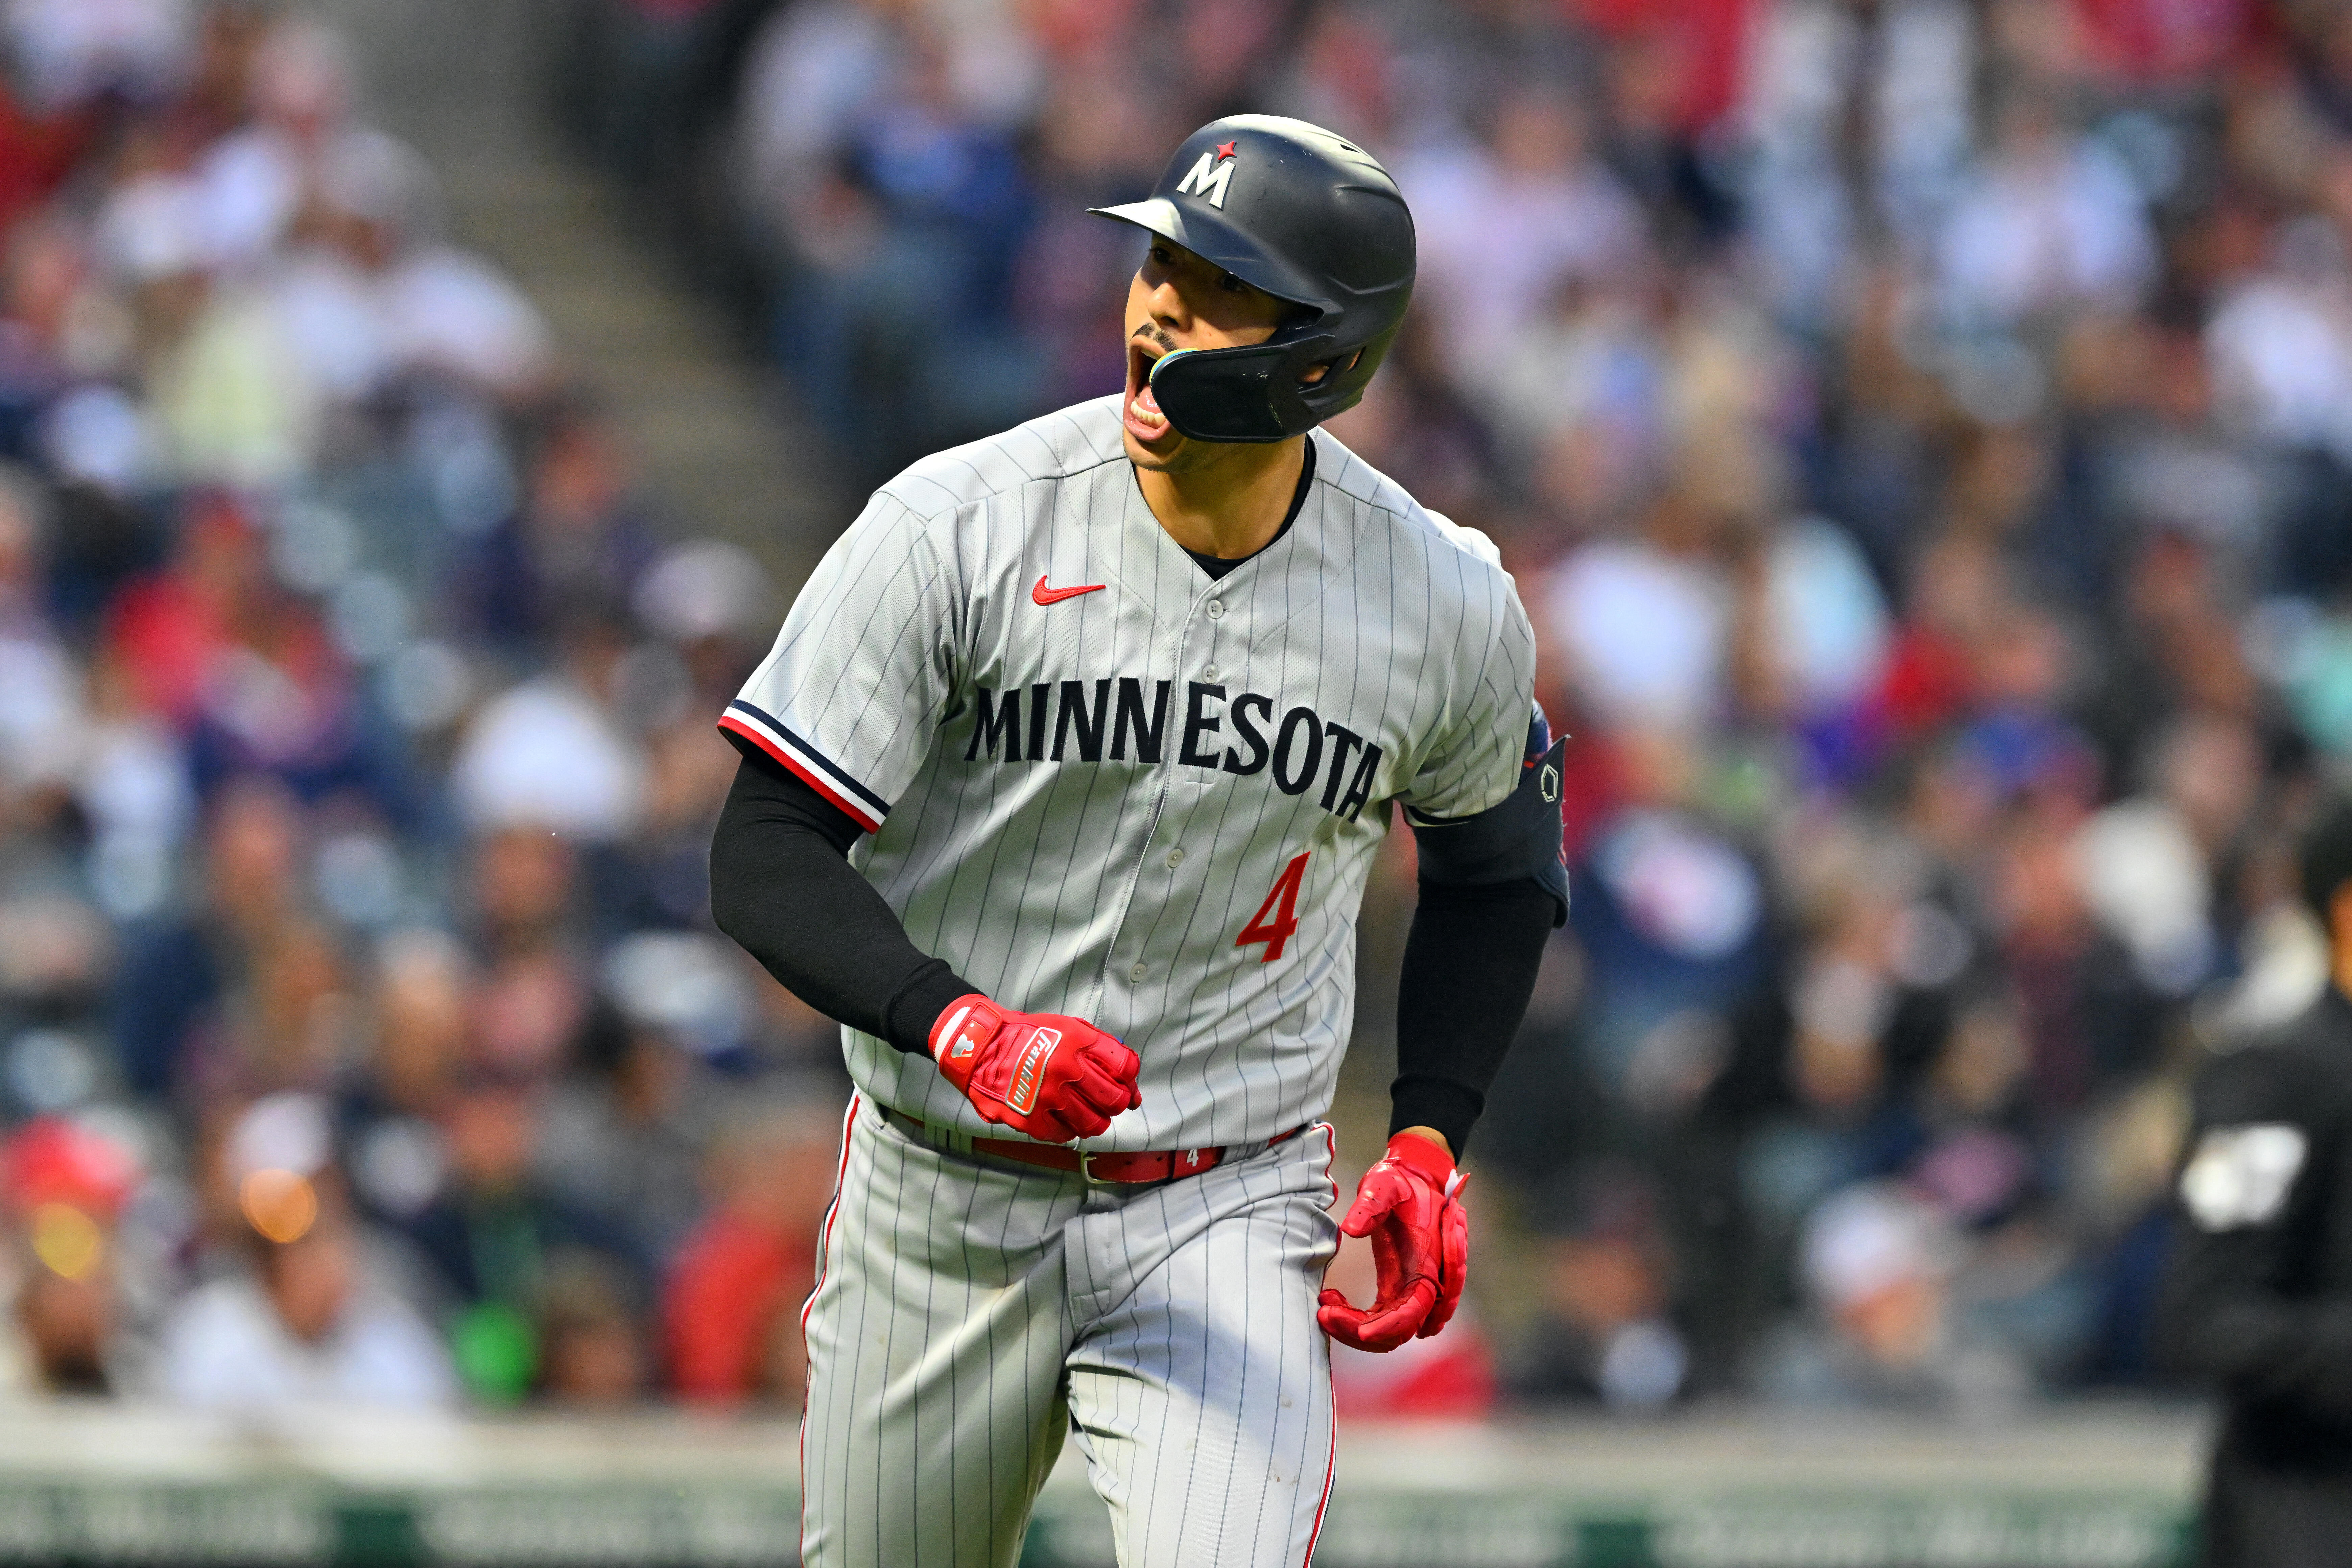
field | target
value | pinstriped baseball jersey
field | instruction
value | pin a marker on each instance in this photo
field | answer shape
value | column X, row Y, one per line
column 1098, row 782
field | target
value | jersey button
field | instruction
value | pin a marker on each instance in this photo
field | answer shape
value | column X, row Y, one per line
column 1216, row 609
column 1175, row 859
column 1138, row 971
column 1209, row 673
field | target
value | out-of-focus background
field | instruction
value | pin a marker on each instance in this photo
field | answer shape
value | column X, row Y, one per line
column 1920, row 429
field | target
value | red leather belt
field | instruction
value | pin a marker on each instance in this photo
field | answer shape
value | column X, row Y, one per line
column 1106, row 1168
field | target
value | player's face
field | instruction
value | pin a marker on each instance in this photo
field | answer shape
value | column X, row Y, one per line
column 1178, row 300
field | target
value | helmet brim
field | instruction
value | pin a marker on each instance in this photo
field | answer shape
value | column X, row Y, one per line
column 1215, row 240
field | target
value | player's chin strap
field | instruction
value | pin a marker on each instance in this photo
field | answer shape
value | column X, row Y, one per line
column 1251, row 394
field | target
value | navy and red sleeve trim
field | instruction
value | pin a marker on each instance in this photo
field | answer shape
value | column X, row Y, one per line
column 811, row 766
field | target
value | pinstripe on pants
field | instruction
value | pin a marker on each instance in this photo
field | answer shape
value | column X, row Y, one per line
column 970, row 1313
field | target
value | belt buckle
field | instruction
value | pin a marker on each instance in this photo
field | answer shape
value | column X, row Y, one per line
column 1086, row 1171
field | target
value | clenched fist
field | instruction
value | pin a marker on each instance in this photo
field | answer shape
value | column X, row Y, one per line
column 1044, row 1075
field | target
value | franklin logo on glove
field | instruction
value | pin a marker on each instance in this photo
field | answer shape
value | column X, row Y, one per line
column 1034, row 1058
column 1051, row 1077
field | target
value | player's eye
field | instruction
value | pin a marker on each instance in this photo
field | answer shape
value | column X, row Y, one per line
column 1161, row 254
column 1233, row 285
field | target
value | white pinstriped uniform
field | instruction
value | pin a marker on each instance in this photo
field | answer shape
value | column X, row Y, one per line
column 1093, row 804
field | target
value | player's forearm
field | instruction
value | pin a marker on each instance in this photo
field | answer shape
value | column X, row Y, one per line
column 1470, row 966
column 781, row 887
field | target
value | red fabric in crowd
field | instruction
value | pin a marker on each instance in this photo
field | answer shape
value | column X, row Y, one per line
column 167, row 638
column 1711, row 35
column 36, row 153
column 1929, row 680
column 1449, row 1378
column 49, row 1159
column 734, row 1282
column 2164, row 41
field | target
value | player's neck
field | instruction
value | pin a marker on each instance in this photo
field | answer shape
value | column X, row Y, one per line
column 1230, row 505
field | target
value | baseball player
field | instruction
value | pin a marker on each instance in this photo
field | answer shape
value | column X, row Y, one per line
column 2256, row 1299
column 1060, row 789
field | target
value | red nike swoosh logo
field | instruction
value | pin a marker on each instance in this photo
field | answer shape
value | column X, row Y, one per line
column 1046, row 595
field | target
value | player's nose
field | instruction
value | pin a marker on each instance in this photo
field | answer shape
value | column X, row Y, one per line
column 1167, row 306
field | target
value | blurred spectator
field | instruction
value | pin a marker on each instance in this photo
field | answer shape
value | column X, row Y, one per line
column 178, row 972
column 884, row 179
column 71, row 52
column 301, row 1317
column 577, row 544
column 1504, row 226
column 593, row 1335
column 300, row 1325
column 42, row 712
column 533, row 997
column 629, row 1134
column 63, row 1185
column 730, row 1305
column 552, row 751
column 526, row 1270
column 389, row 1119
column 1603, row 1333
column 2051, row 221
column 1879, row 1266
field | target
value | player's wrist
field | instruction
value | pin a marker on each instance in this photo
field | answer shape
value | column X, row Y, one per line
column 1426, row 1135
column 1437, row 1105
column 1423, row 1150
column 915, row 1006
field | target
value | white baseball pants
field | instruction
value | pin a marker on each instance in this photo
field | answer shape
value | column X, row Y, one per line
column 971, row 1313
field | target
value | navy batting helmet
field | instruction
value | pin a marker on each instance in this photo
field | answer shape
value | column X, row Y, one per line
column 1310, row 218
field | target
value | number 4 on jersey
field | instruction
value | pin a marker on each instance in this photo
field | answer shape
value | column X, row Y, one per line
column 1282, row 904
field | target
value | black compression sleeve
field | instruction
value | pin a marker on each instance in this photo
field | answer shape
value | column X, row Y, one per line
column 1470, row 966
column 782, row 884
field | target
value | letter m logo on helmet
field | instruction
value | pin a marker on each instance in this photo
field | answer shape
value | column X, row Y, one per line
column 1209, row 177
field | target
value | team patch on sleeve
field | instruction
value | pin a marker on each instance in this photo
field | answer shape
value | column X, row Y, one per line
column 2241, row 1176
column 813, row 767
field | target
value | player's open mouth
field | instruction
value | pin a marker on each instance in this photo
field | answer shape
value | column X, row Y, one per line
column 1140, row 412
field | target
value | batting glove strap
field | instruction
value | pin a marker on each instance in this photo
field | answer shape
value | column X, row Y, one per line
column 994, row 1055
column 969, row 1023
column 1425, row 1159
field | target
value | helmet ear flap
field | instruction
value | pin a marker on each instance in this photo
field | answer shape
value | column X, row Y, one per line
column 1344, row 387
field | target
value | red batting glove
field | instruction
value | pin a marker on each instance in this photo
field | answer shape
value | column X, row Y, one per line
column 1409, row 1204
column 1046, row 1075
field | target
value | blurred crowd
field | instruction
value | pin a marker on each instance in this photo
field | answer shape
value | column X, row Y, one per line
column 1922, row 432
column 361, row 1033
